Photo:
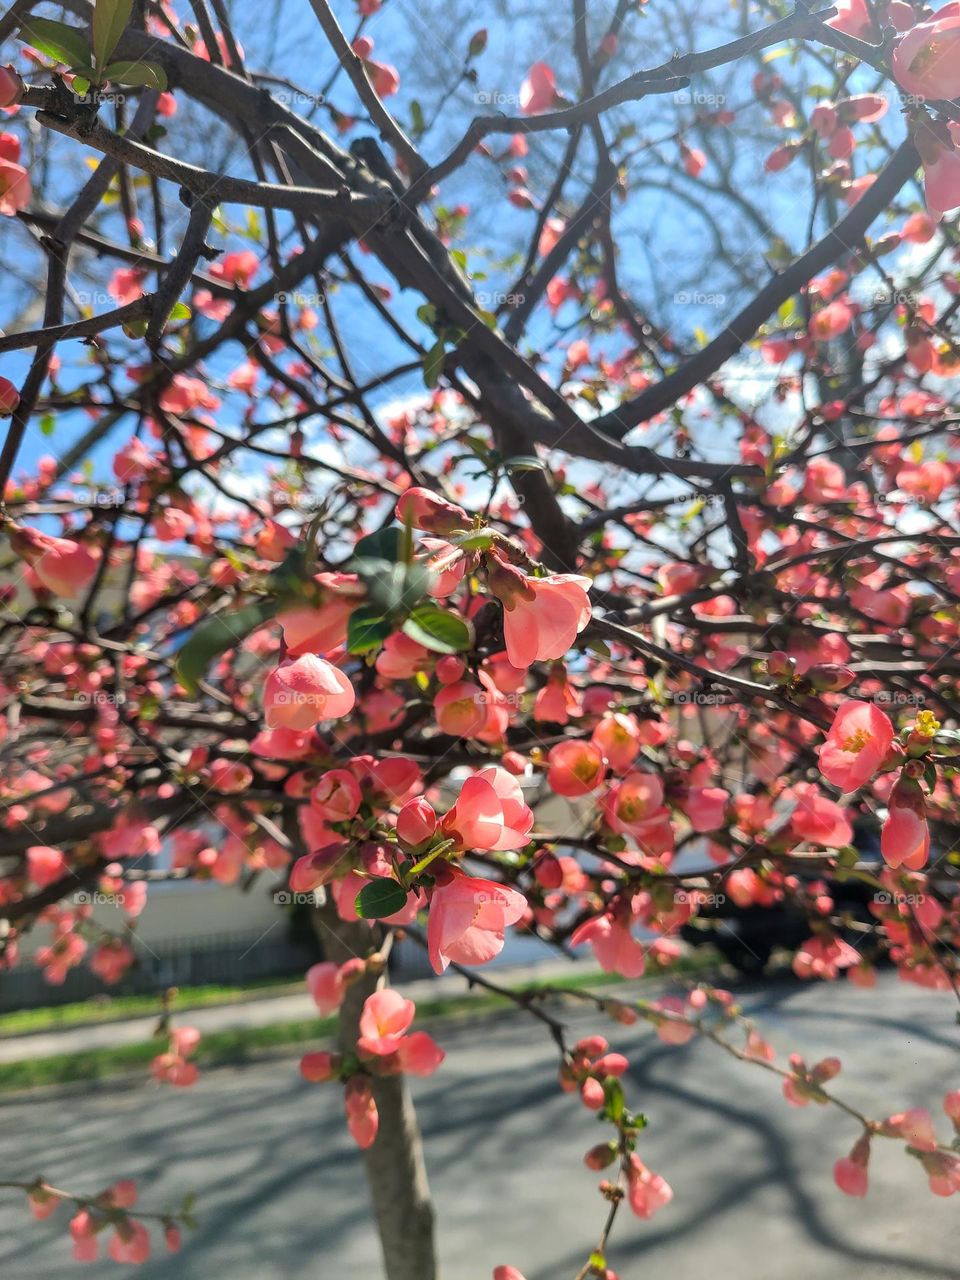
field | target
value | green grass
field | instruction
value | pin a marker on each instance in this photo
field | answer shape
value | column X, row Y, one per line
column 109, row 1008
column 226, row 1048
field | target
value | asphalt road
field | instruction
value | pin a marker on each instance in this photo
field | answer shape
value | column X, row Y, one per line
column 281, row 1193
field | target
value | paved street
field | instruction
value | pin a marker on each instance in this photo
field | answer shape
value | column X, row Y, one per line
column 281, row 1192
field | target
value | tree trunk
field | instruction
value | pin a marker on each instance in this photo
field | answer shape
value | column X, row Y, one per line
column 396, row 1172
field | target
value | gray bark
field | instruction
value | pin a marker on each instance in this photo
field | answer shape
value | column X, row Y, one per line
column 395, row 1168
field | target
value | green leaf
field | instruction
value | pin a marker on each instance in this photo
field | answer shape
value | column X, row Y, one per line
column 380, row 897
column 57, row 40
column 180, row 312
column 392, row 587
column 81, row 86
column 143, row 75
column 433, row 363
column 109, row 19
column 524, row 462
column 384, row 544
column 47, row 424
column 417, row 124
column 438, row 630
column 615, row 1102
column 367, row 629
column 215, row 636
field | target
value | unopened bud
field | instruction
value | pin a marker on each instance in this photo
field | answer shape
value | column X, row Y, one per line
column 548, row 872
column 601, row 1156
column 830, row 677
column 416, row 822
column 781, row 667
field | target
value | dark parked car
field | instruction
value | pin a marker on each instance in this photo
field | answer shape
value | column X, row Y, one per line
column 747, row 936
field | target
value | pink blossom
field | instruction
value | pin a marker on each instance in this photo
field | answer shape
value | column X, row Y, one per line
column 850, row 1176
column 419, row 1054
column 914, row 1126
column 646, row 1191
column 575, row 768
column 15, row 190
column 490, row 813
column 819, row 820
column 416, row 822
column 824, row 957
column 539, row 90
column 325, row 984
column 337, row 795
column 427, row 511
column 941, row 184
column 385, row 1018
column 618, row 737
column 62, row 566
column 853, row 17
column 11, row 86
column 905, row 837
column 705, row 807
column 363, row 1119
column 130, row 1242
column 926, row 61
column 856, row 746
column 461, row 709
column 542, row 616
column 468, row 919
column 45, row 866
column 300, row 693
column 615, row 947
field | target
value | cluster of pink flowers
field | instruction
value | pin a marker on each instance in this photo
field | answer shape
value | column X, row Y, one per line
column 107, row 1211
column 173, row 1066
column 384, row 1046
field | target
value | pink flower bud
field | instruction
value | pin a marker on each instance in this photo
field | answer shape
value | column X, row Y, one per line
column 850, row 1177
column 11, row 86
column 427, row 511
column 601, row 1156
column 9, row 395
column 781, row 667
column 325, row 984
column 830, row 677
column 416, row 821
column 316, row 868
column 318, row 1067
column 591, row 1092
column 547, row 871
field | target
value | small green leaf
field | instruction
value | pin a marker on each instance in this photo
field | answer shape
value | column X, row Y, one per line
column 384, row 544
column 215, row 636
column 57, row 40
column 380, row 897
column 615, row 1102
column 392, row 587
column 142, row 75
column 367, row 629
column 523, row 462
column 47, row 424
column 438, row 630
column 433, row 363
column 180, row 312
column 417, row 124
column 109, row 19
column 81, row 86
